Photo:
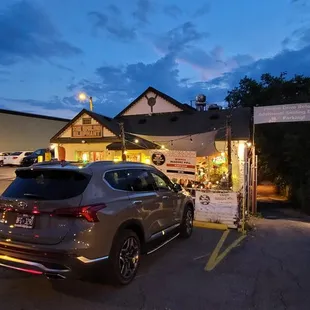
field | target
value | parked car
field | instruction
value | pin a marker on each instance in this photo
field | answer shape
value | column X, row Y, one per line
column 2, row 155
column 33, row 157
column 65, row 221
column 14, row 159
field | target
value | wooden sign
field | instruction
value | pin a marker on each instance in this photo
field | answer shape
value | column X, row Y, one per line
column 87, row 131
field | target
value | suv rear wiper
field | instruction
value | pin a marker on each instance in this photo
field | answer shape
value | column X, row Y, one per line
column 34, row 196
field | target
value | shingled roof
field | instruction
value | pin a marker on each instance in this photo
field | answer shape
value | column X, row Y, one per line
column 185, row 123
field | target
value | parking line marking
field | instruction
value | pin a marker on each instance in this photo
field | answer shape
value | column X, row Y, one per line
column 202, row 256
column 215, row 258
column 210, row 225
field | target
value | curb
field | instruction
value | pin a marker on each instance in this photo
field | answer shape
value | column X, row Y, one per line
column 207, row 225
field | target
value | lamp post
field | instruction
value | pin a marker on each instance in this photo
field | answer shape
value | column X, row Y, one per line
column 84, row 97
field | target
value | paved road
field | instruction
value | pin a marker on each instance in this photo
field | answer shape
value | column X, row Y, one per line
column 269, row 270
column 7, row 174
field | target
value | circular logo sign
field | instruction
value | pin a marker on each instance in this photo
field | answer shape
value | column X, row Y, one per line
column 158, row 159
column 204, row 199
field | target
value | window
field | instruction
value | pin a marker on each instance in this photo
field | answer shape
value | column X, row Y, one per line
column 86, row 121
column 47, row 184
column 130, row 180
column 16, row 153
column 162, row 182
column 39, row 152
column 28, row 153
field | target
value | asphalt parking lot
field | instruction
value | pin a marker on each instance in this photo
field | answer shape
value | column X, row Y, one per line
column 269, row 269
column 171, row 278
column 7, row 174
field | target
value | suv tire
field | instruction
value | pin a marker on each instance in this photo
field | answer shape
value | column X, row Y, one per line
column 125, row 257
column 186, row 228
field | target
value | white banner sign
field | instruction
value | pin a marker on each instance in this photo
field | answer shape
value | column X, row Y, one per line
column 282, row 113
column 217, row 207
column 175, row 164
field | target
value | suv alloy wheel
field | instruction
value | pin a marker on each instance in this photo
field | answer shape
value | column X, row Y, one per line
column 125, row 257
column 186, row 228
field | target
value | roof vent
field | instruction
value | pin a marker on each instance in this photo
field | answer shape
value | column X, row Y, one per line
column 214, row 107
column 174, row 118
column 214, row 116
column 142, row 121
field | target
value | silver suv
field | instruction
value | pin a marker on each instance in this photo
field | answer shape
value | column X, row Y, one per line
column 60, row 220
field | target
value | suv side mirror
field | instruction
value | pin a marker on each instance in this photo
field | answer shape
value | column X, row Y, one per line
column 177, row 187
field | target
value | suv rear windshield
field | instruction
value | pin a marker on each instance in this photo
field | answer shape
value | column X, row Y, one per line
column 16, row 153
column 47, row 184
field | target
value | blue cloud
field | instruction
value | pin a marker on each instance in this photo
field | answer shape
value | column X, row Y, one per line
column 118, row 85
column 202, row 11
column 143, row 8
column 113, row 25
column 172, row 10
column 27, row 33
column 179, row 38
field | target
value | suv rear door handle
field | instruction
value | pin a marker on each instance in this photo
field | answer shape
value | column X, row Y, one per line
column 137, row 202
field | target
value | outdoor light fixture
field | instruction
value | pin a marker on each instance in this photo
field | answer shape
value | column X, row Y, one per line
column 136, row 141
column 83, row 97
column 249, row 144
column 162, row 146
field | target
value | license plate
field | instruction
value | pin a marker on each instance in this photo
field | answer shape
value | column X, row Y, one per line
column 24, row 221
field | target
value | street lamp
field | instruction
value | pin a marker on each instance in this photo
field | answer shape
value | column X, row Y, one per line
column 84, row 97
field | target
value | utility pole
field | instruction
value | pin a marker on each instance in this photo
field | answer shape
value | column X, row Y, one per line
column 121, row 125
column 228, row 138
column 91, row 106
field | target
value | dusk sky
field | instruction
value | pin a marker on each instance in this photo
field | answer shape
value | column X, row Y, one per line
column 113, row 50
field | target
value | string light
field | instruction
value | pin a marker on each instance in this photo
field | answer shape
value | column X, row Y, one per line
column 136, row 141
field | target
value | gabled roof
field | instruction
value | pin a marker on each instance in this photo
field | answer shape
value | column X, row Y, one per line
column 105, row 121
column 183, row 107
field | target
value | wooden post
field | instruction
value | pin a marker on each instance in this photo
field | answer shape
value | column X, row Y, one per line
column 121, row 125
column 228, row 137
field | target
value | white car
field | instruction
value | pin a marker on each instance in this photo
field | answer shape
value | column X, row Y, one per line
column 15, row 158
column 2, row 155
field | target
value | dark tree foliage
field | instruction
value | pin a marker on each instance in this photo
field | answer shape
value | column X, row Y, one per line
column 283, row 148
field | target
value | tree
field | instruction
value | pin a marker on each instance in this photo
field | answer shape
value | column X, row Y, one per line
column 283, row 148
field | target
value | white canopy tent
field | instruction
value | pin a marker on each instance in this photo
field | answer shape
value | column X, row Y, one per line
column 203, row 143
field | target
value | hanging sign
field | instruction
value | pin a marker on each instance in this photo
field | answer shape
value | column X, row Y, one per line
column 217, row 207
column 175, row 164
column 284, row 113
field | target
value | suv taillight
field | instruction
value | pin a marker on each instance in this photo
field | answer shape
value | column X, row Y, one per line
column 15, row 157
column 88, row 212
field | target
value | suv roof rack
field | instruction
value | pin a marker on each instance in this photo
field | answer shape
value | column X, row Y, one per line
column 62, row 163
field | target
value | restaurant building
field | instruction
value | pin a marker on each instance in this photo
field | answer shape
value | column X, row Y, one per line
column 153, row 121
